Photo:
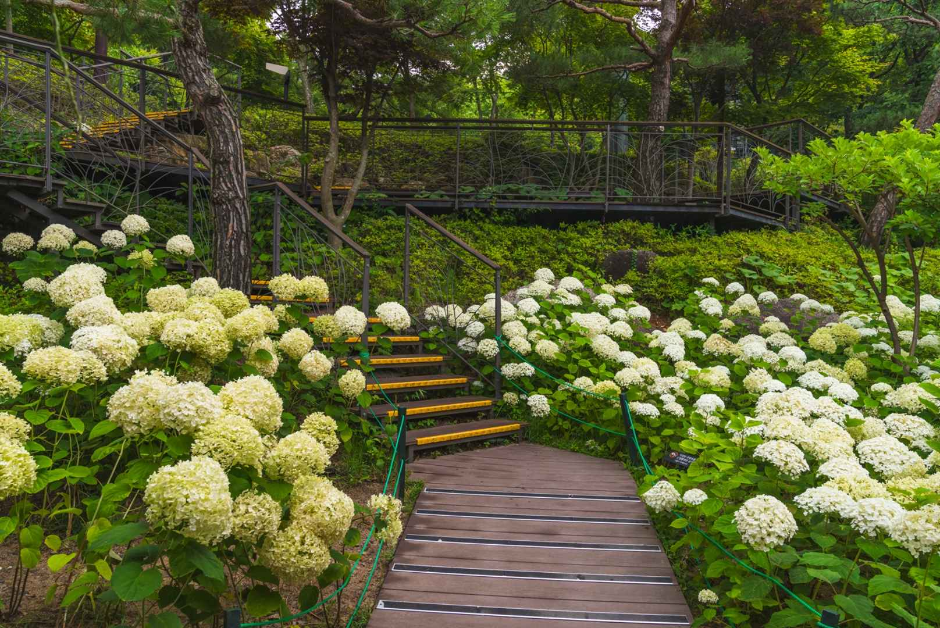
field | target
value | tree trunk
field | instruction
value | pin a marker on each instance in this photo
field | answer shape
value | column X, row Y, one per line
column 885, row 206
column 660, row 92
column 8, row 15
column 231, row 236
column 304, row 68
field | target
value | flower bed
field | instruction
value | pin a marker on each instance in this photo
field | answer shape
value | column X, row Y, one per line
column 815, row 446
column 165, row 449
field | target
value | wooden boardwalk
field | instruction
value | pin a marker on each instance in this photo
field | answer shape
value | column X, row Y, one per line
column 522, row 536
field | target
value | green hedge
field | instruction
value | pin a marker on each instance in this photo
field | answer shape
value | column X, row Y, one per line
column 816, row 262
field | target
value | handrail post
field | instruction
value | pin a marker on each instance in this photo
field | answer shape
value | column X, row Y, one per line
column 403, row 454
column 47, row 158
column 497, row 382
column 142, row 107
column 406, row 282
column 457, row 182
column 366, row 269
column 276, row 253
column 232, row 618
column 628, row 430
column 607, row 174
column 829, row 618
column 726, row 205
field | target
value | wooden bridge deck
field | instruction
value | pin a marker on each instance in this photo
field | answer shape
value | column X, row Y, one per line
column 522, row 536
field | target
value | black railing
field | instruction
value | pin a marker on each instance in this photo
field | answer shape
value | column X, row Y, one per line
column 438, row 266
column 794, row 135
column 291, row 237
column 669, row 166
column 58, row 122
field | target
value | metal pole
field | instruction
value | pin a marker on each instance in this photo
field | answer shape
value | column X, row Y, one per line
column 277, row 233
column 189, row 204
column 829, row 618
column 238, row 106
column 457, row 184
column 726, row 207
column 304, row 149
column 628, row 429
column 403, row 454
column 142, row 107
column 366, row 270
column 406, row 284
column 799, row 135
column 497, row 383
column 607, row 176
column 47, row 164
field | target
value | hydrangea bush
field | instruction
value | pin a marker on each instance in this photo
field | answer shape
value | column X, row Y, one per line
column 815, row 443
column 154, row 448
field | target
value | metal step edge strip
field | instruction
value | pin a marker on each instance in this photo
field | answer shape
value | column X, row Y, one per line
column 599, row 498
column 604, row 547
column 516, row 574
column 521, row 517
column 534, row 613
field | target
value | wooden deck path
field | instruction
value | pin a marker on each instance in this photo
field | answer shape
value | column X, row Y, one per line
column 523, row 535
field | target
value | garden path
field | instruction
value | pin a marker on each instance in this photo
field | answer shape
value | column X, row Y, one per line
column 524, row 535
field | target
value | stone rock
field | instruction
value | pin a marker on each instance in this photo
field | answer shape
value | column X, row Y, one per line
column 280, row 154
column 619, row 263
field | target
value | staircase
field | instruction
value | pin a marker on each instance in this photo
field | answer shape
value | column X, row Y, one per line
column 433, row 397
column 178, row 121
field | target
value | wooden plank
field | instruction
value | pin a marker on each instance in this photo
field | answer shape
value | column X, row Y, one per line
column 535, row 589
column 498, row 562
column 535, row 530
column 399, row 619
column 533, row 484
column 414, row 551
column 585, row 508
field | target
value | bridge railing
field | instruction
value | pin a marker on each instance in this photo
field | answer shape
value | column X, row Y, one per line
column 574, row 164
column 793, row 135
column 290, row 237
column 58, row 123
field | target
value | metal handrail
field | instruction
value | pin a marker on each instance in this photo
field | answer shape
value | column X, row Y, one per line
column 279, row 188
column 802, row 121
column 42, row 44
column 411, row 210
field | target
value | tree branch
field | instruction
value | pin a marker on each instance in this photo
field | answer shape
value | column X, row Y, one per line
column 86, row 9
column 627, row 23
column 392, row 24
column 630, row 67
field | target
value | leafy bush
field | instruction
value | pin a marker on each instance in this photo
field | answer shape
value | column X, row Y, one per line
column 154, row 451
column 815, row 448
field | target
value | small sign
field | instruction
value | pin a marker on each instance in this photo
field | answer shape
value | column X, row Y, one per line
column 277, row 69
column 680, row 460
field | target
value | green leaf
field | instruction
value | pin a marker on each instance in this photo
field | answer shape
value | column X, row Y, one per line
column 262, row 574
column 53, row 542
column 132, row 582
column 824, row 541
column 206, row 561
column 58, row 561
column 102, row 428
column 755, row 587
column 790, row 617
column 29, row 557
column 118, row 535
column 166, row 619
column 826, row 575
column 882, row 584
column 860, row 607
column 308, row 597
column 875, row 549
column 262, row 601
column 817, row 559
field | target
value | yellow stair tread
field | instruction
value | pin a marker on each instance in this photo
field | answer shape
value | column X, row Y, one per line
column 268, row 297
column 394, row 359
column 464, row 434
column 444, row 407
column 374, row 320
column 327, row 339
column 418, row 382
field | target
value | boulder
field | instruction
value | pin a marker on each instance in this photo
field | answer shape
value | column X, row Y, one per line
column 619, row 263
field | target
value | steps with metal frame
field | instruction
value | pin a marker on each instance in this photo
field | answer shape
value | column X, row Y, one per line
column 411, row 383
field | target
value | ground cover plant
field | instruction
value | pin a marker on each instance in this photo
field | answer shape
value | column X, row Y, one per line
column 815, row 442
column 167, row 450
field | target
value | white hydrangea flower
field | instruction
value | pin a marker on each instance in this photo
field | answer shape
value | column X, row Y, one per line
column 254, row 516
column 322, row 427
column 538, row 405
column 709, row 404
column 826, row 500
column 251, row 324
column 767, row 298
column 394, row 315
column 546, row 349
column 296, row 343
column 694, row 496
column 711, row 281
column 109, row 343
column 181, row 245
column 52, row 242
column 488, row 348
column 605, row 347
column 604, row 300
column 230, row 440
column 662, row 497
column 544, row 274
column 707, row 596
column 765, row 523
column 352, row 383
column 35, row 284
column 191, row 497
column 98, row 310
column 114, row 239
column 352, row 323
column 519, row 370
column 167, row 299
column 17, row 243
column 204, row 287
column 388, row 509
column 918, row 530
column 17, row 468
column 284, row 287
column 319, row 506
column 887, row 455
column 314, row 288
column 528, row 306
column 256, row 399
column 135, row 225
column 60, row 366
column 294, row 456
column 876, row 515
